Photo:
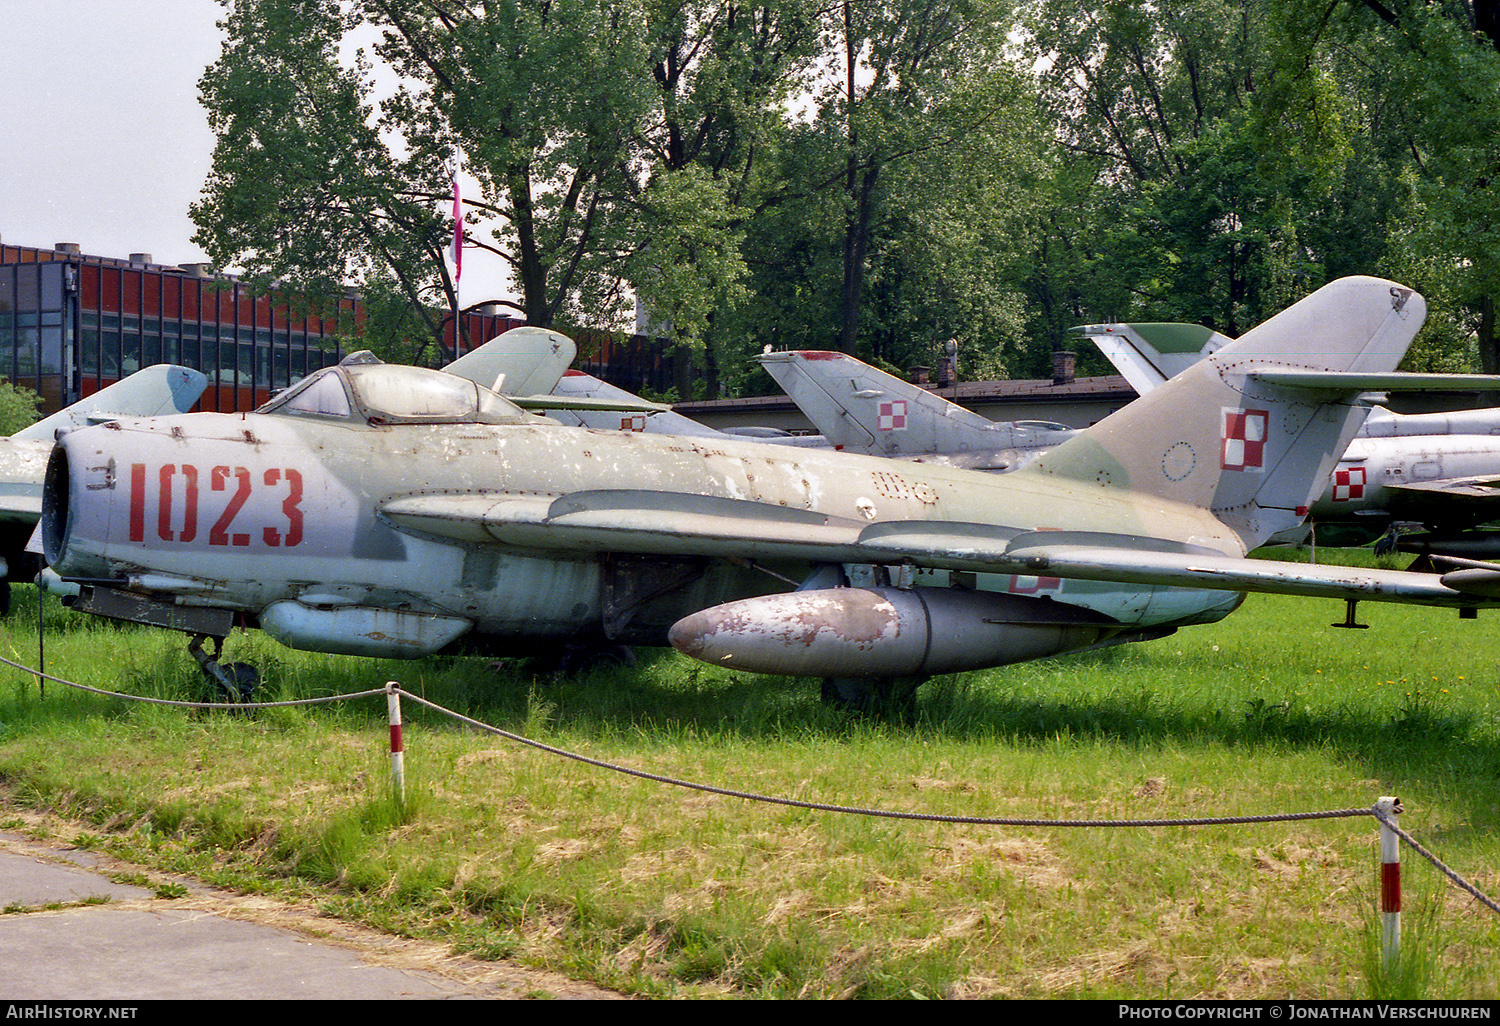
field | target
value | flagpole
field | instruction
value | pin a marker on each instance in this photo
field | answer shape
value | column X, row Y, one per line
column 457, row 249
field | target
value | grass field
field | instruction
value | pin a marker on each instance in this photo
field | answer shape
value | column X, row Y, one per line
column 505, row 851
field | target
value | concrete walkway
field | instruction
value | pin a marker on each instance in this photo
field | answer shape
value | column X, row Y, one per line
column 69, row 931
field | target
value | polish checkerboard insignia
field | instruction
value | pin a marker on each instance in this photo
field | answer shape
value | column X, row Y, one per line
column 1244, row 435
column 1348, row 484
column 635, row 422
column 893, row 415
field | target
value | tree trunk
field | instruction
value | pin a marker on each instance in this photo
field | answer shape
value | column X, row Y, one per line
column 1489, row 346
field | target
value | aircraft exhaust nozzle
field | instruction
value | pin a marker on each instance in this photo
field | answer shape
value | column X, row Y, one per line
column 883, row 632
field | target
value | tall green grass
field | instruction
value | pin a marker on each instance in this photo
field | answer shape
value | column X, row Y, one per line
column 505, row 851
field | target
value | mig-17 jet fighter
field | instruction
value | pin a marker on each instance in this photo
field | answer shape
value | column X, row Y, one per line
column 859, row 408
column 576, row 384
column 392, row 511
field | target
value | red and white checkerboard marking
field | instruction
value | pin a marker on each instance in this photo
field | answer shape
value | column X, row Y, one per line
column 635, row 422
column 1244, row 445
column 893, row 415
column 1348, row 484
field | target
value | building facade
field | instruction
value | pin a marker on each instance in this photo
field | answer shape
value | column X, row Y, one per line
column 71, row 324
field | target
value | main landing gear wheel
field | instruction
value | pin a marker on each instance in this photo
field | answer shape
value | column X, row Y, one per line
column 577, row 659
column 880, row 696
column 572, row 660
column 233, row 683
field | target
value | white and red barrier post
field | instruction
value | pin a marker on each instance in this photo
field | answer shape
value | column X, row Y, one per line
column 398, row 748
column 1390, row 883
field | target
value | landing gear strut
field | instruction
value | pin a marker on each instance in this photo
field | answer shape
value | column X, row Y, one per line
column 234, row 682
column 877, row 695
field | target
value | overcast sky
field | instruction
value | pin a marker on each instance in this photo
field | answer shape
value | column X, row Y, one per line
column 102, row 139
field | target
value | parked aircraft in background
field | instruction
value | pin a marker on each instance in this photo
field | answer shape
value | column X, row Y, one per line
column 576, row 383
column 527, row 365
column 1438, row 471
column 160, row 389
column 859, row 408
column 390, row 511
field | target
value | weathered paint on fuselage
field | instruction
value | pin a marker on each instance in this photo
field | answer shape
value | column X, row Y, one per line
column 22, row 465
column 23, row 462
column 243, row 510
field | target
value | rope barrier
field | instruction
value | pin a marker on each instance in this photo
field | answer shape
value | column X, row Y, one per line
column 860, row 811
column 392, row 690
column 1416, row 846
column 220, row 706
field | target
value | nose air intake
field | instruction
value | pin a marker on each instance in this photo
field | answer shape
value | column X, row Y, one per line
column 56, row 508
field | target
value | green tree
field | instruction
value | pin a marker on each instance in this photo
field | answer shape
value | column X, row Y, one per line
column 898, row 64
column 611, row 141
column 1428, row 74
column 1189, row 212
column 722, row 78
column 304, row 193
column 20, row 407
column 1219, row 158
column 893, row 206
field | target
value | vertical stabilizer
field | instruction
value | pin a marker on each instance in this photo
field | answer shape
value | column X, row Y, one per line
column 522, row 361
column 1253, row 431
column 154, row 391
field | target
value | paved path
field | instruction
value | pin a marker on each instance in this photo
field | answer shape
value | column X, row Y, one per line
column 69, row 931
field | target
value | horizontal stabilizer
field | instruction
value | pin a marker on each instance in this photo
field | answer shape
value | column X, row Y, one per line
column 599, row 404
column 1125, row 561
column 1334, row 381
column 1483, row 486
column 1149, row 354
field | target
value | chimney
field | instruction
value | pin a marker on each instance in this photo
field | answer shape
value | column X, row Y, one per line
column 67, row 247
column 919, row 375
column 1063, row 365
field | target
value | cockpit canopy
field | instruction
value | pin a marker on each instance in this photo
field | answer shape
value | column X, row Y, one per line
column 389, row 393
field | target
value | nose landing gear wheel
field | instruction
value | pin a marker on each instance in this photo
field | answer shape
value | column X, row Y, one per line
column 234, row 683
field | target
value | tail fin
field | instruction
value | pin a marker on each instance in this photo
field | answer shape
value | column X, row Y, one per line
column 861, row 409
column 1252, row 432
column 522, row 361
column 151, row 392
column 1148, row 354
